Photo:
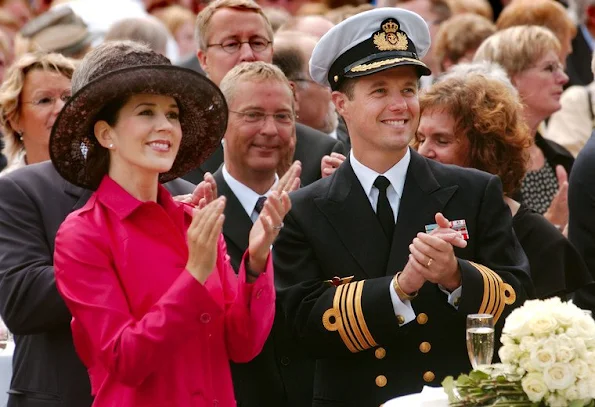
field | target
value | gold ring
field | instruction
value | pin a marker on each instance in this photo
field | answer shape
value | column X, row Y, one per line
column 430, row 262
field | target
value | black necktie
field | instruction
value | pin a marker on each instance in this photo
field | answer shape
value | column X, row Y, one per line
column 260, row 204
column 384, row 212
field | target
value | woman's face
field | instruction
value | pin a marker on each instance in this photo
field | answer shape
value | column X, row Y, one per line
column 146, row 136
column 541, row 86
column 437, row 140
column 42, row 97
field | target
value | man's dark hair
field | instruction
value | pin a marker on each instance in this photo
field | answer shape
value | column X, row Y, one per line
column 290, row 61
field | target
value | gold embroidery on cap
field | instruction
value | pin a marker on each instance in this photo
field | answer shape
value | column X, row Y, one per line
column 390, row 39
column 378, row 64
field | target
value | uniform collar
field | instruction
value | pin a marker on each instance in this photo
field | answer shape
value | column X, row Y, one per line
column 119, row 201
column 396, row 174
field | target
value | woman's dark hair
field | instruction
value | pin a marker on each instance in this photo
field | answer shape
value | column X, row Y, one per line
column 98, row 156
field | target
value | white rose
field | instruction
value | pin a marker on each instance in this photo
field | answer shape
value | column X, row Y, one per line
column 590, row 359
column 585, row 327
column 556, row 400
column 542, row 324
column 543, row 357
column 507, row 340
column 558, row 376
column 534, row 386
column 584, row 390
column 516, row 325
column 564, row 314
column 579, row 347
column 509, row 353
column 581, row 368
column 564, row 340
column 564, row 354
column 571, row 393
column 527, row 343
column 526, row 364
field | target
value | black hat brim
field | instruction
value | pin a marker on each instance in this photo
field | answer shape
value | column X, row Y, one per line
column 203, row 118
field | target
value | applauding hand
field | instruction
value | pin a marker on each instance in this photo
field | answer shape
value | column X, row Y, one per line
column 202, row 237
column 266, row 228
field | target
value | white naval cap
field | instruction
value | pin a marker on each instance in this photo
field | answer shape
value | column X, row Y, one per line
column 370, row 42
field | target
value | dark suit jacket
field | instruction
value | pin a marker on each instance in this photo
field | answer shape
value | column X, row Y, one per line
column 578, row 63
column 311, row 145
column 191, row 63
column 281, row 375
column 343, row 133
column 332, row 230
column 46, row 370
column 2, row 158
column 581, row 223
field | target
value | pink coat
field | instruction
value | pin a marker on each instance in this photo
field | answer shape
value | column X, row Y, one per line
column 149, row 333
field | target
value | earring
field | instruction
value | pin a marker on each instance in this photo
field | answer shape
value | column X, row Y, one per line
column 20, row 134
column 110, row 146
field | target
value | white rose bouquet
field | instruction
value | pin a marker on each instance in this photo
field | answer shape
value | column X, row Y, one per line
column 548, row 352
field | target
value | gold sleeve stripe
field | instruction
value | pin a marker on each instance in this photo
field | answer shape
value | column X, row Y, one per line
column 351, row 318
column 331, row 320
column 490, row 286
column 360, row 315
column 347, row 317
column 496, row 301
column 496, row 293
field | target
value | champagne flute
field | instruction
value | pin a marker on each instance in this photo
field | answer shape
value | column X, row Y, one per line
column 480, row 339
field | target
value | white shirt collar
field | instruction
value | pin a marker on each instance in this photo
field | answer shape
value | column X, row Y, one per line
column 245, row 195
column 396, row 174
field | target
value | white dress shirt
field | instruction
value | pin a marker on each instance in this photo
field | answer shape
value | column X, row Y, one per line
column 245, row 195
column 396, row 175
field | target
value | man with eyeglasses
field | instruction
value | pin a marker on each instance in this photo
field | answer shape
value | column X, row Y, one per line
column 260, row 127
column 230, row 32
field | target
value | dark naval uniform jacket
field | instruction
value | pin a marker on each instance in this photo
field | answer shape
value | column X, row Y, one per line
column 364, row 357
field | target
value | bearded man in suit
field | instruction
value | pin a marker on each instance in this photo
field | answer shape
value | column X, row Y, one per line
column 373, row 278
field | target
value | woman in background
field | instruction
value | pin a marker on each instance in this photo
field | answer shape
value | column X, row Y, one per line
column 34, row 91
column 471, row 120
column 530, row 55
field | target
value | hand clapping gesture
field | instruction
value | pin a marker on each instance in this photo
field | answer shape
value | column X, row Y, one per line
column 202, row 237
column 432, row 258
column 266, row 228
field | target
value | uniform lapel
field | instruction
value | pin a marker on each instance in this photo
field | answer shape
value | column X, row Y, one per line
column 348, row 210
column 422, row 198
column 237, row 223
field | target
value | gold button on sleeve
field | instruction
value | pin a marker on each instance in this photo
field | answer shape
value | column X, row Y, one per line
column 380, row 353
column 429, row 376
column 400, row 319
column 381, row 381
column 425, row 347
column 422, row 318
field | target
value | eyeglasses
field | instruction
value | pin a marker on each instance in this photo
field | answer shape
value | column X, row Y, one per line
column 253, row 116
column 233, row 46
column 47, row 101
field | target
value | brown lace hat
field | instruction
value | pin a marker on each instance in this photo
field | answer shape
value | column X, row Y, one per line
column 116, row 70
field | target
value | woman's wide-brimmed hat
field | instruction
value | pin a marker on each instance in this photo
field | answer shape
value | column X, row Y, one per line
column 122, row 69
